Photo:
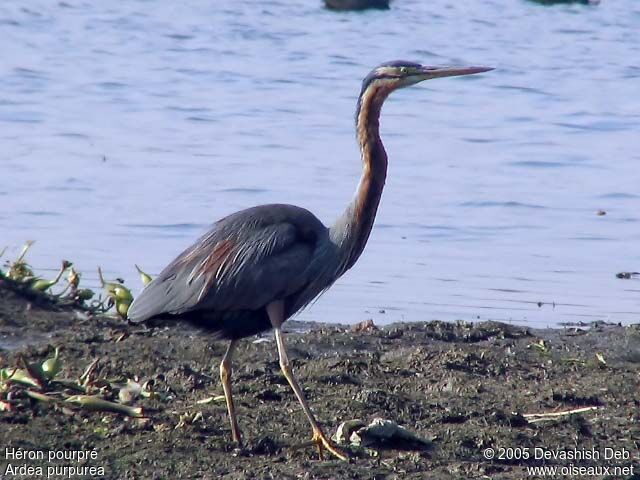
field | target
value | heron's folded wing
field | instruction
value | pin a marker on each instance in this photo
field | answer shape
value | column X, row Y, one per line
column 227, row 270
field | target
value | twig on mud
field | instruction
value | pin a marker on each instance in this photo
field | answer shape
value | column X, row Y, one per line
column 88, row 372
column 204, row 401
column 575, row 361
column 70, row 385
column 121, row 337
column 542, row 417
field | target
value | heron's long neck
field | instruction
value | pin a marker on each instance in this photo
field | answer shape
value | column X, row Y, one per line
column 351, row 230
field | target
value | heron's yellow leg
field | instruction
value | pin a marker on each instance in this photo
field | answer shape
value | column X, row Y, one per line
column 276, row 316
column 225, row 378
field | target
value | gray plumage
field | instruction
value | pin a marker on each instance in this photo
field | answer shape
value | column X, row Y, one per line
column 248, row 259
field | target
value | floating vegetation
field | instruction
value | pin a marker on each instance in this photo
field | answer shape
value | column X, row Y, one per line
column 19, row 276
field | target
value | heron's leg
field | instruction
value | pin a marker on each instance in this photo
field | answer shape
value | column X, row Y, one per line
column 275, row 311
column 225, row 378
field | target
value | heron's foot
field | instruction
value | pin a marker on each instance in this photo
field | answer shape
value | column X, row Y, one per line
column 322, row 443
column 238, row 445
column 239, row 451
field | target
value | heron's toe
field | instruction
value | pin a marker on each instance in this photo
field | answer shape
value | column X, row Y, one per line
column 323, row 443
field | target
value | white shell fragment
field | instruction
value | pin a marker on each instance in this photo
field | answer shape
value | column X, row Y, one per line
column 130, row 392
column 379, row 431
column 345, row 430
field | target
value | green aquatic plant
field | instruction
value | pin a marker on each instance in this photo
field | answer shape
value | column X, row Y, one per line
column 84, row 294
column 76, row 294
column 43, row 285
column 144, row 277
column 52, row 365
column 38, row 382
column 16, row 375
column 115, row 290
column 122, row 308
column 21, row 277
column 118, row 294
column 35, row 371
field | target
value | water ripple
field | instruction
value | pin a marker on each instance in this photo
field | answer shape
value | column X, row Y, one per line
column 502, row 204
column 203, row 109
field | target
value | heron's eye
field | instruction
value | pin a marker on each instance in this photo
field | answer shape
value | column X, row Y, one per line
column 404, row 70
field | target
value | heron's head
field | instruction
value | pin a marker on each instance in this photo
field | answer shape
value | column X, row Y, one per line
column 399, row 73
column 391, row 76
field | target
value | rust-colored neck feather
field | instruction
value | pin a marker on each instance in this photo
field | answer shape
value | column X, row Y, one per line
column 351, row 231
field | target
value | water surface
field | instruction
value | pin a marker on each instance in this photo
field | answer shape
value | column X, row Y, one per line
column 128, row 128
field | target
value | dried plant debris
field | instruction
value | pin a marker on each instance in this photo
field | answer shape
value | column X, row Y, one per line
column 40, row 382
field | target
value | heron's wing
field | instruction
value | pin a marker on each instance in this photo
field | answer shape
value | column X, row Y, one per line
column 242, row 263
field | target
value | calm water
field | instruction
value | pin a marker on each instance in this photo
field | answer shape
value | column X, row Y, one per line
column 128, row 128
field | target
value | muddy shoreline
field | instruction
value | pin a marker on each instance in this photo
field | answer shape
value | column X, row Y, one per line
column 464, row 387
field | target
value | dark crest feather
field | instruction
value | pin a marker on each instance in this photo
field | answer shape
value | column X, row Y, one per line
column 374, row 75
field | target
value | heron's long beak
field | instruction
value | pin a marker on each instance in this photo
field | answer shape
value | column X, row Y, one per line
column 438, row 72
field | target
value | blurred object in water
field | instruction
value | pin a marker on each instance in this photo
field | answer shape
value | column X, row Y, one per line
column 627, row 275
column 356, row 4
column 559, row 2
